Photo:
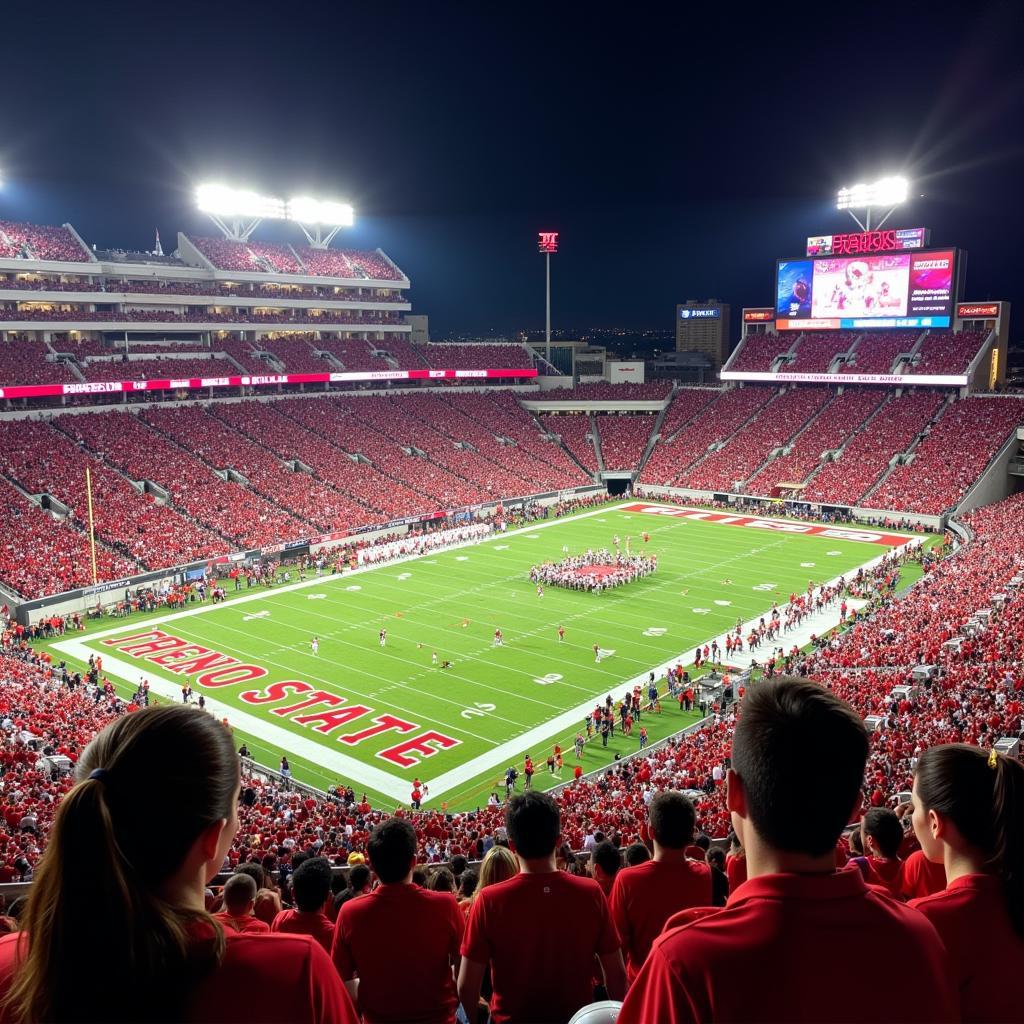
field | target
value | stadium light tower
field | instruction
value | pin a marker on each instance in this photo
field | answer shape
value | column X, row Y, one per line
column 237, row 212
column 547, row 243
column 886, row 192
column 316, row 215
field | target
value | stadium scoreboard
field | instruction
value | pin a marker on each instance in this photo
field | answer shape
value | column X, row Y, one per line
column 899, row 288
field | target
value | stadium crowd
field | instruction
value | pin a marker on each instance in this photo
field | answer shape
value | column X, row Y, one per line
column 972, row 695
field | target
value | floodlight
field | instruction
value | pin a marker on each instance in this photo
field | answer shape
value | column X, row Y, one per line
column 885, row 192
column 222, row 201
column 306, row 210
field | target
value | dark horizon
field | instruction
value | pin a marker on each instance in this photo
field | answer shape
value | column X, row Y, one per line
column 678, row 157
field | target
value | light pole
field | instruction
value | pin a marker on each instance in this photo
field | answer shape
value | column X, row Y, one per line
column 547, row 243
column 886, row 192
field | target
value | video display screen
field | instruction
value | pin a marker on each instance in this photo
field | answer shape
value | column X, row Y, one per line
column 892, row 289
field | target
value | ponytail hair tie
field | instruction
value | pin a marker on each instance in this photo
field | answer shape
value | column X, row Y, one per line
column 993, row 758
column 99, row 774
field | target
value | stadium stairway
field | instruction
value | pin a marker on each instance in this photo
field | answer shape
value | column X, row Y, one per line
column 904, row 457
column 726, row 441
column 786, row 448
column 595, row 440
column 652, row 441
column 158, row 491
column 855, row 429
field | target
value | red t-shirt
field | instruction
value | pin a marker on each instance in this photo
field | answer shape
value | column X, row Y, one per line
column 306, row 922
column 646, row 896
column 884, row 873
column 791, row 947
column 403, row 942
column 919, row 877
column 736, row 870
column 247, row 923
column 987, row 954
column 262, row 978
column 540, row 934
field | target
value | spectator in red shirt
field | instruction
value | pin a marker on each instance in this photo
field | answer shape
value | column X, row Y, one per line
column 537, row 974
column 645, row 897
column 969, row 816
column 920, row 877
column 132, row 848
column 605, row 861
column 410, row 979
column 311, row 885
column 789, row 943
column 239, row 900
column 881, row 836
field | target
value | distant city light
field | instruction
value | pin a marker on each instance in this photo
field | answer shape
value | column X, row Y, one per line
column 884, row 192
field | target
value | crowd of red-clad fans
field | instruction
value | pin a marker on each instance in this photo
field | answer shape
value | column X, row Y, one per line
column 975, row 695
column 876, row 352
column 285, row 315
column 267, row 258
column 717, row 422
column 773, row 427
column 863, row 460
column 39, row 242
column 940, row 352
column 798, row 763
column 623, row 439
column 160, row 286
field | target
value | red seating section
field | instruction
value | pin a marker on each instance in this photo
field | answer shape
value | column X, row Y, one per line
column 877, row 351
column 771, row 428
column 574, row 428
column 719, row 421
column 818, row 349
column 867, row 456
column 623, row 439
column 41, row 460
column 759, row 351
column 946, row 352
column 953, row 455
column 829, row 430
column 39, row 242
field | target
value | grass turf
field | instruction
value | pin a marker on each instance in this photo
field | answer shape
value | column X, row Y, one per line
column 508, row 697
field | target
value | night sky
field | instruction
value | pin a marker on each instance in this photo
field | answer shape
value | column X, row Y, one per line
column 678, row 153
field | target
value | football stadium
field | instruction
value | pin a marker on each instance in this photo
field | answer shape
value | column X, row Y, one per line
column 560, row 685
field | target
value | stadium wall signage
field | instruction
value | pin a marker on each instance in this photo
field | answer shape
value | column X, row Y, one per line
column 972, row 310
column 212, row 670
column 900, row 380
column 247, row 380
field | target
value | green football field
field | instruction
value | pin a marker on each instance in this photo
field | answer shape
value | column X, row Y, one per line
column 377, row 717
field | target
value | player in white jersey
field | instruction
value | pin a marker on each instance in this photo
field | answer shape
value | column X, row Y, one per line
column 314, row 645
column 383, row 637
column 540, row 591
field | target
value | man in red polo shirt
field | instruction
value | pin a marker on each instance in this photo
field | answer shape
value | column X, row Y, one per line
column 396, row 947
column 790, row 942
column 311, row 884
column 645, row 897
column 239, row 900
column 540, row 930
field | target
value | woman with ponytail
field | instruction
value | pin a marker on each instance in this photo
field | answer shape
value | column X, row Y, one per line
column 116, row 927
column 969, row 817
